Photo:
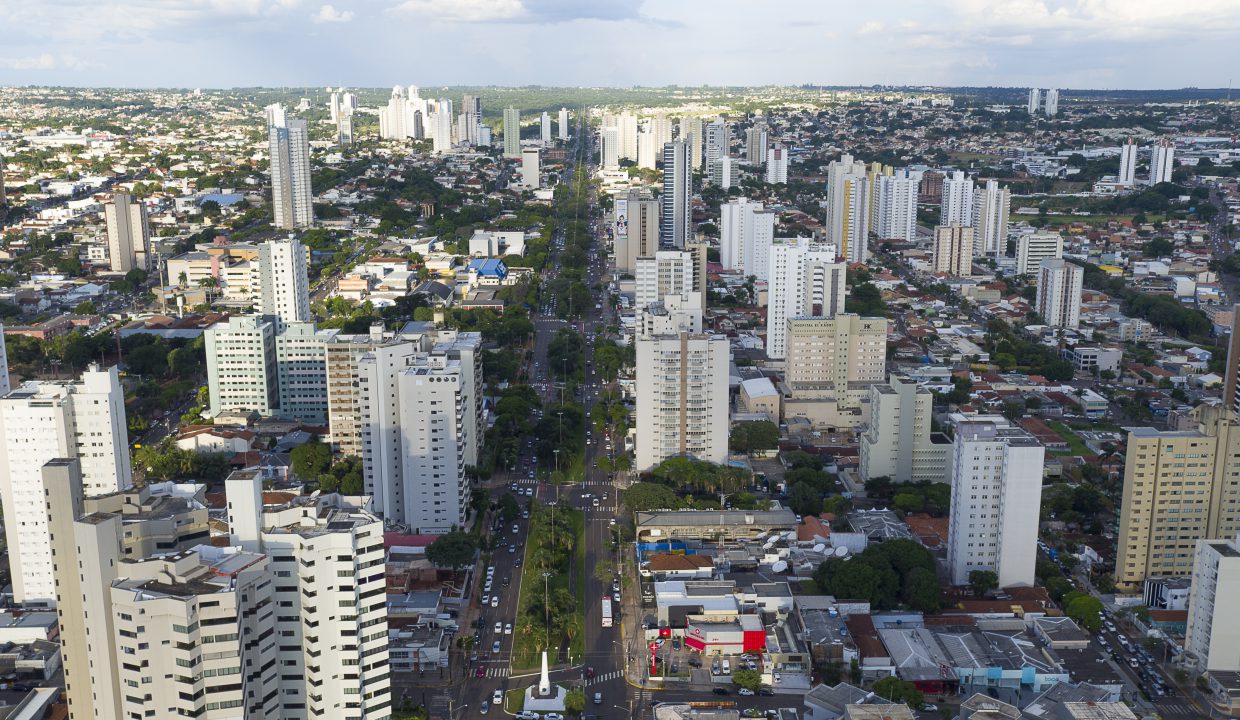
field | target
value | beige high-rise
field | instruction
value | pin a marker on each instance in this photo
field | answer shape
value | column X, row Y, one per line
column 1179, row 487
column 953, row 250
column 129, row 237
column 826, row 354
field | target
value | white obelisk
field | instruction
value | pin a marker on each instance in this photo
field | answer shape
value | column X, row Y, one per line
column 544, row 680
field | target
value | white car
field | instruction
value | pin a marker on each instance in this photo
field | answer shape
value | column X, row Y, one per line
column 507, row 628
column 499, row 628
column 498, row 697
column 495, row 601
column 486, row 599
column 744, row 691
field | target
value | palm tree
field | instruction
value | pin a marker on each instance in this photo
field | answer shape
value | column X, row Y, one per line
column 210, row 283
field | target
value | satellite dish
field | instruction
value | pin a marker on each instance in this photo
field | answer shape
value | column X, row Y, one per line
column 779, row 566
column 841, row 551
column 819, row 548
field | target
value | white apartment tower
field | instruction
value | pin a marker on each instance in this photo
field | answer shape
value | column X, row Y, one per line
column 718, row 137
column 626, row 126
column 805, row 280
column 895, row 206
column 1128, row 163
column 129, row 236
column 847, row 208
column 660, row 127
column 647, row 151
column 953, row 250
column 289, row 147
column 1059, row 293
column 996, row 500
column 1035, row 101
column 284, row 288
column 668, row 272
column 746, row 231
column 241, row 365
column 1162, row 161
column 1213, row 636
column 1052, row 103
column 958, row 200
column 676, row 217
column 682, row 398
column 691, row 134
column 342, row 355
column 40, row 422
column 991, row 210
column 899, row 442
column 777, row 164
column 609, row 147
column 441, row 127
column 512, row 132
column 544, row 128
column 530, row 173
column 1032, row 249
column 563, row 123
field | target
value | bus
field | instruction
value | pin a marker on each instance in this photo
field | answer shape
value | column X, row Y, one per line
column 606, row 612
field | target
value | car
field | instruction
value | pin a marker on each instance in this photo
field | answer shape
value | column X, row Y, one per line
column 589, row 672
column 727, row 667
column 495, row 646
column 486, row 588
column 497, row 698
column 675, row 643
column 499, row 627
column 553, row 716
column 694, row 662
column 714, row 668
column 473, row 658
column 611, row 522
column 512, row 549
column 495, row 601
column 486, row 599
column 507, row 628
column 617, row 596
column 484, row 707
column 595, row 502
column 527, row 715
column 764, row 690
column 480, row 672
column 515, row 529
column 930, row 707
column 744, row 691
column 776, row 677
column 506, row 581
column 721, row 691
column 1132, row 662
column 598, row 698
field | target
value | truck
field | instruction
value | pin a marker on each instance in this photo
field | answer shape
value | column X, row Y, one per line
column 607, row 612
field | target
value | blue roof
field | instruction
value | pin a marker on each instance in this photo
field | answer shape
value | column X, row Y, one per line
column 487, row 266
column 222, row 199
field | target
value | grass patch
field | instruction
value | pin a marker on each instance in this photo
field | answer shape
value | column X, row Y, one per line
column 972, row 157
column 514, row 700
column 1076, row 446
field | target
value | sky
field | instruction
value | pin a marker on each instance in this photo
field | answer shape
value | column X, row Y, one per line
column 1129, row 44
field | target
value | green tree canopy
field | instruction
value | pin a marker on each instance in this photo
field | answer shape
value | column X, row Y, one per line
column 452, row 550
column 750, row 679
column 748, row 437
column 899, row 691
column 983, row 581
column 311, row 459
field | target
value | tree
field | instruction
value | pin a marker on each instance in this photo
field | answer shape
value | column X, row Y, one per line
column 575, row 701
column 921, row 591
column 86, row 307
column 899, row 691
column 509, row 510
column 641, row 496
column 908, row 502
column 1084, row 610
column 1158, row 247
column 311, row 459
column 750, row 679
column 983, row 581
column 454, row 550
column 748, row 437
column 866, row 300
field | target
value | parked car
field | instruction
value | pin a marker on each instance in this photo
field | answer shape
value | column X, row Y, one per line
column 598, row 698
column 721, row 691
column 744, row 691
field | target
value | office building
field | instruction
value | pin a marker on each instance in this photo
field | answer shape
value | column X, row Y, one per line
column 1162, row 161
column 825, row 354
column 129, row 235
column 746, row 231
column 289, row 146
column 953, row 250
column 777, row 164
column 1032, row 249
column 992, row 206
column 894, row 203
column 1128, row 163
column 1059, row 293
column 691, row 134
column 284, row 288
column 563, row 123
column 42, row 421
column 996, row 500
column 676, row 215
column 641, row 230
column 958, row 201
column 756, row 144
column 682, row 398
column 530, row 173
column 847, row 216
column 805, row 280
column 512, row 132
column 1180, row 486
column 899, row 442
column 1051, row 107
column 1213, row 639
column 1035, row 101
column 421, row 427
column 668, row 272
column 544, row 129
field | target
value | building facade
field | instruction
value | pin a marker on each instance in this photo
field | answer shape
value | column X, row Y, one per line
column 676, row 215
column 805, row 280
column 289, row 146
column 953, row 250
column 826, row 354
column 682, row 398
column 1212, row 639
column 1031, row 250
column 129, row 235
column 1059, row 293
column 284, row 287
column 899, row 442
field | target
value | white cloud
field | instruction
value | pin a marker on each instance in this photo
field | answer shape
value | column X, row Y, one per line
column 462, row 10
column 43, row 61
column 871, row 27
column 329, row 14
column 1109, row 19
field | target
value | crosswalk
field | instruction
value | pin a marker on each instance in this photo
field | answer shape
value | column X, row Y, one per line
column 498, row 672
column 604, row 677
column 1176, row 708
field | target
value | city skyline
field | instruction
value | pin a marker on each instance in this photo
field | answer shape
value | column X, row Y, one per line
column 1085, row 44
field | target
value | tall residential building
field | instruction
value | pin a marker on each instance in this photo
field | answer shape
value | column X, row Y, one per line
column 641, row 225
column 847, row 217
column 673, row 315
column 530, row 172
column 668, row 272
column 40, row 422
column 404, row 115
column 660, row 127
column 512, row 132
column 544, row 128
column 1162, row 160
column 284, row 288
column 996, row 500
column 755, row 144
column 691, row 134
column 805, row 280
column 441, row 127
column 1035, row 101
column 777, row 164
column 676, row 216
column 563, row 123
column 301, row 372
column 1231, row 377
column 826, row 354
column 421, row 428
column 1059, row 293
column 129, row 236
column 1128, row 162
column 718, row 141
column 5, row 381
column 1032, row 249
column 953, row 250
column 344, row 129
column 344, row 406
column 682, row 398
column 325, row 553
column 1213, row 637
column 241, row 365
column 899, row 442
column 1180, row 486
column 724, row 172
column 894, row 199
column 289, row 147
column 958, row 200
column 3, row 193
column 609, row 147
column 1052, row 103
column 746, row 231
column 992, row 206
column 647, row 152
column 626, row 126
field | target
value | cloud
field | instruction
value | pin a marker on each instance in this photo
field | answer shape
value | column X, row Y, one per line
column 871, row 27
column 521, row 11
column 462, row 11
column 329, row 14
column 46, row 61
column 1103, row 19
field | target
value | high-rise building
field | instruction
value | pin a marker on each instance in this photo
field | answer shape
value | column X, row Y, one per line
column 805, row 280
column 641, row 225
column 899, row 442
column 1231, row 377
column 42, row 421
column 289, row 147
column 825, row 354
column 284, row 287
column 1033, row 248
column 344, row 129
column 129, row 236
column 5, row 381
column 1128, row 163
column 673, row 315
column 1059, row 293
column 530, row 172
column 996, row 500
column 661, row 128
column 421, row 428
column 1180, row 486
column 958, row 200
column 676, row 216
column 1212, row 639
column 4, row 198
column 1035, row 101
column 668, row 272
column 682, row 398
column 746, row 231
column 717, row 141
column 342, row 354
column 777, row 164
column 724, row 172
column 241, row 365
column 512, row 132
column 1052, row 103
column 563, row 123
column 647, row 151
column 931, row 188
column 992, row 206
column 847, row 219
column 953, row 250
column 691, row 134
column 403, row 116
column 544, row 129
column 609, row 147
column 301, row 372
column 894, row 199
column 756, row 144
column 1162, row 160
column 626, row 127
column 441, row 126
